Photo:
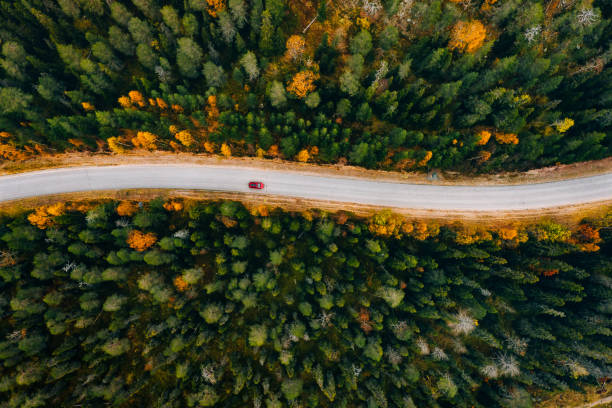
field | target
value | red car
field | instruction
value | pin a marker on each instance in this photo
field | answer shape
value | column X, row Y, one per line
column 258, row 185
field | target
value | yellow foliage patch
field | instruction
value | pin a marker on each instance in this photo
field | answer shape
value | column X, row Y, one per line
column 140, row 241
column 114, row 143
column 226, row 150
column 186, row 138
column 303, row 156
column 145, row 140
column 564, row 126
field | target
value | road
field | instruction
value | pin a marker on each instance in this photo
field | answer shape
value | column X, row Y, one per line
column 309, row 186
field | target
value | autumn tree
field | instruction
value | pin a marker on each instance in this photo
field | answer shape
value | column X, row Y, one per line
column 296, row 45
column 302, row 83
column 145, row 140
column 141, row 241
column 467, row 36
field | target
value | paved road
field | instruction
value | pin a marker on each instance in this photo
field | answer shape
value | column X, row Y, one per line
column 309, row 186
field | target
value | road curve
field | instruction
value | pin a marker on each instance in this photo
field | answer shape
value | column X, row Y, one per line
column 309, row 186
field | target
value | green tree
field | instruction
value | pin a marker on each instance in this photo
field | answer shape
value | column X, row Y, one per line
column 140, row 30
column 188, row 57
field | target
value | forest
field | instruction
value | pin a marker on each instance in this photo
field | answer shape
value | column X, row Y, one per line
column 173, row 303
column 464, row 85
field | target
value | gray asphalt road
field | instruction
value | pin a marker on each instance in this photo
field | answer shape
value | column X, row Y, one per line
column 290, row 184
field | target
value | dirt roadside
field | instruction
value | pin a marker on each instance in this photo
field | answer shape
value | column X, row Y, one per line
column 542, row 175
column 570, row 215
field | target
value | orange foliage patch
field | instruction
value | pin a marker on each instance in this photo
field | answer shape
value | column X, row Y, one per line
column 42, row 217
column 467, row 36
column 483, row 137
column 364, row 320
column 296, row 45
column 428, row 156
column 215, row 7
column 508, row 233
column 173, row 206
column 180, row 284
column 161, row 103
column 550, row 272
column 127, row 208
column 506, row 138
column 587, row 238
column 9, row 152
column 302, row 83
column 125, row 102
column 136, row 97
column 140, row 241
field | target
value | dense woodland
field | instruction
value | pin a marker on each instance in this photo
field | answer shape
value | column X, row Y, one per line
column 171, row 304
column 469, row 85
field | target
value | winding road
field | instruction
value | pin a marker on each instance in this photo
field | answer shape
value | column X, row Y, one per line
column 309, row 186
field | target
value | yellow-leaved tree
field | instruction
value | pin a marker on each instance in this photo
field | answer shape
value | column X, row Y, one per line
column 115, row 144
column 186, row 138
column 226, row 150
column 145, row 140
column 303, row 156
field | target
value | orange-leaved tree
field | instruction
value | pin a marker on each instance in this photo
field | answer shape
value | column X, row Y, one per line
column 467, row 36
column 42, row 217
column 483, row 137
column 140, row 241
column 506, row 138
column 302, row 83
column 136, row 97
column 215, row 7
column 127, row 208
column 296, row 45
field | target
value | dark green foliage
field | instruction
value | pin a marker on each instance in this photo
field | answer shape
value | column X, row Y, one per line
column 233, row 309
